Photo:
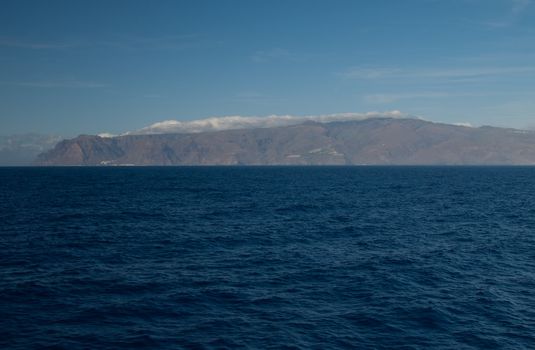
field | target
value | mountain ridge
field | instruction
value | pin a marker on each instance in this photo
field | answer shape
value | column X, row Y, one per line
column 374, row 141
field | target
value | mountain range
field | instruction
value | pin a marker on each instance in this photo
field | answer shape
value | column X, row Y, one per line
column 371, row 141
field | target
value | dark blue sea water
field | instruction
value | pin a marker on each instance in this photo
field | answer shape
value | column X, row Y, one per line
column 267, row 258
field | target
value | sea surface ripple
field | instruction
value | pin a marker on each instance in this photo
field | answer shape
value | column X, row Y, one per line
column 267, row 258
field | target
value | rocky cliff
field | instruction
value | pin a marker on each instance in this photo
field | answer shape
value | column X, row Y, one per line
column 380, row 141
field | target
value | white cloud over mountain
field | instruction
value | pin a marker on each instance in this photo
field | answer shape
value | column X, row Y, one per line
column 240, row 122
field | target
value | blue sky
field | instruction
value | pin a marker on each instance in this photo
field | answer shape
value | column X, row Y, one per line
column 72, row 67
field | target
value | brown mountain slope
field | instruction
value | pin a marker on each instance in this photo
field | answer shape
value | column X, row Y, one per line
column 372, row 141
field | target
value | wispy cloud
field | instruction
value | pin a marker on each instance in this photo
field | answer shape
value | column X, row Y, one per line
column 255, row 98
column 516, row 9
column 386, row 98
column 518, row 6
column 263, row 56
column 35, row 45
column 130, row 42
column 168, row 42
column 68, row 84
column 154, row 96
column 434, row 73
column 389, row 98
column 283, row 55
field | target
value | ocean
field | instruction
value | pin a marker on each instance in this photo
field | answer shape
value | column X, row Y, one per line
column 267, row 258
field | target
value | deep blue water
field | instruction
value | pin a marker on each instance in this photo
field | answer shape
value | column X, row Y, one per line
column 267, row 258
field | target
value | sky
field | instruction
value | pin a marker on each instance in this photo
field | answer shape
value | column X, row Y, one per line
column 80, row 66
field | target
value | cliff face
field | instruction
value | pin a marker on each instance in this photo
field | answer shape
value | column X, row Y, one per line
column 372, row 141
